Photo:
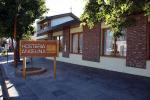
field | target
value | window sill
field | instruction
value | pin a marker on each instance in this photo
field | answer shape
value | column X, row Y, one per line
column 122, row 57
column 76, row 53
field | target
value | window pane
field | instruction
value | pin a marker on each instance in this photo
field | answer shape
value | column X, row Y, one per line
column 57, row 37
column 121, row 45
column 60, row 40
column 54, row 37
column 75, row 43
column 108, row 42
column 61, row 43
column 80, row 43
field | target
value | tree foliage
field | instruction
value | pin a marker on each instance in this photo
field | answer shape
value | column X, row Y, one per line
column 26, row 12
column 114, row 13
column 23, row 13
column 29, row 33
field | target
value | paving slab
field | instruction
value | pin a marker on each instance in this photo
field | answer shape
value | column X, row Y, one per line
column 75, row 82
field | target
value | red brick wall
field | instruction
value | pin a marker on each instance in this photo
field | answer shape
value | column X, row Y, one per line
column 91, row 43
column 137, row 43
column 148, row 40
column 66, row 43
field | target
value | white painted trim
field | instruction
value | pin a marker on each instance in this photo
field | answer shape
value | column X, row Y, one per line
column 107, row 63
column 42, row 37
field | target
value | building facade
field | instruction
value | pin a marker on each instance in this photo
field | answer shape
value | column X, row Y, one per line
column 95, row 47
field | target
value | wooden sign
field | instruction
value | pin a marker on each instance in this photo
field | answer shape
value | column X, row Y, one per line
column 40, row 48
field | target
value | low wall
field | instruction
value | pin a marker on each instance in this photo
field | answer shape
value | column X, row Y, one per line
column 107, row 63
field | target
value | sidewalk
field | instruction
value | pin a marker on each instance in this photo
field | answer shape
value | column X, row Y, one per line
column 74, row 82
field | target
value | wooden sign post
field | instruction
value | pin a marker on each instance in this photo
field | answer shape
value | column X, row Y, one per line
column 40, row 48
column 55, row 67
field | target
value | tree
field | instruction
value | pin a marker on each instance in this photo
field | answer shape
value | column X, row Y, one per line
column 19, row 15
column 28, row 11
column 29, row 34
column 113, row 13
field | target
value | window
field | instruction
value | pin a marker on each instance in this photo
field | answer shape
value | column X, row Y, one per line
column 60, row 40
column 41, row 27
column 109, row 44
column 77, row 43
column 121, row 45
column 80, row 43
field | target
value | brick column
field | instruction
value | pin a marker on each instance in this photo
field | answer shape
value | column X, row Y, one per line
column 91, row 43
column 137, row 43
column 66, row 42
column 148, row 40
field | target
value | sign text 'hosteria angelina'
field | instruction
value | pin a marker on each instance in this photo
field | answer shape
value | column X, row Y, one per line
column 40, row 48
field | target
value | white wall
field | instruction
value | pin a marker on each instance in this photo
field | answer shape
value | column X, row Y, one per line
column 76, row 29
column 37, row 27
column 58, row 33
column 61, row 20
column 108, row 63
column 42, row 37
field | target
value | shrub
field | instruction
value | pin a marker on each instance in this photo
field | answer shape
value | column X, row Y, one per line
column 4, row 53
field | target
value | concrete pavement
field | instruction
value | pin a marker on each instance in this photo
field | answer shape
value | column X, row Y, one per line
column 75, row 82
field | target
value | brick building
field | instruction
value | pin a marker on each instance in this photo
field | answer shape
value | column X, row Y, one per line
column 94, row 47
